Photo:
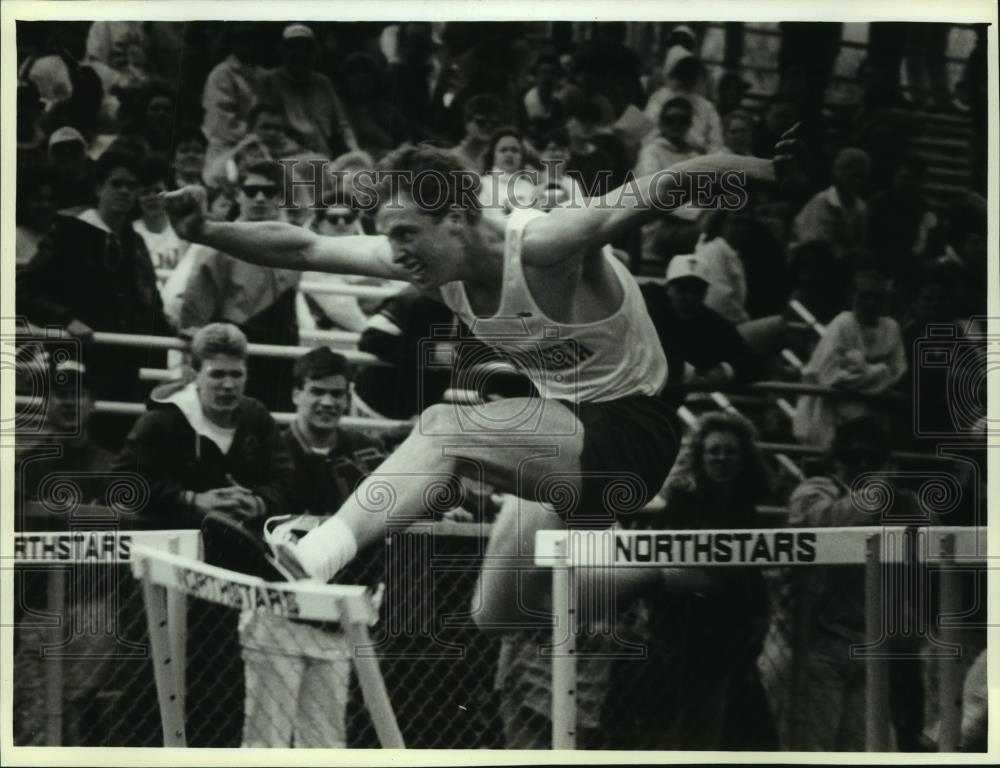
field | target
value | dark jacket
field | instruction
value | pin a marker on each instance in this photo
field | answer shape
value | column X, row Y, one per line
column 106, row 281
column 322, row 483
column 703, row 341
column 174, row 459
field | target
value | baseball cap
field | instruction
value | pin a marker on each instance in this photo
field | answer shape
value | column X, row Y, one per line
column 297, row 31
column 65, row 134
column 687, row 265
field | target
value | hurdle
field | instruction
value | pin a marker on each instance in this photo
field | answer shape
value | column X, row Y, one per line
column 948, row 548
column 168, row 577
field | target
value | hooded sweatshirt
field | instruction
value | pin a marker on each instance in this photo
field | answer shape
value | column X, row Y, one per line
column 705, row 132
column 179, row 453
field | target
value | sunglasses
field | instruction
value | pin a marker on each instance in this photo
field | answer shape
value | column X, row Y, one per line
column 268, row 190
column 341, row 216
column 677, row 119
column 484, row 122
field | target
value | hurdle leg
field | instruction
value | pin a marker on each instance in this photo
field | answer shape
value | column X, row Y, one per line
column 878, row 721
column 56, row 606
column 372, row 683
column 177, row 630
column 170, row 698
column 563, row 654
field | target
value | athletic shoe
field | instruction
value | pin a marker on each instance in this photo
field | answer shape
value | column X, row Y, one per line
column 281, row 534
column 243, row 546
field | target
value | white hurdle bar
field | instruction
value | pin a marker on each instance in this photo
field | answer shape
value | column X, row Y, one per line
column 946, row 547
column 164, row 574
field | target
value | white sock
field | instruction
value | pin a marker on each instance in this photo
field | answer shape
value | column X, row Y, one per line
column 326, row 549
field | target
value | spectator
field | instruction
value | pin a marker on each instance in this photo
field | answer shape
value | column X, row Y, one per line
column 259, row 300
column 819, row 285
column 685, row 72
column 737, row 133
column 542, row 105
column 330, row 310
column 374, row 119
column 188, row 157
column 168, row 252
column 71, row 169
column 93, row 273
column 780, row 114
column 805, row 65
column 619, row 65
column 230, row 93
column 861, row 351
column 815, row 687
column 482, row 113
column 901, row 225
column 267, row 123
column 719, row 247
column 700, row 689
column 61, row 461
column 204, row 446
column 595, row 169
column 153, row 118
column 702, row 348
column 585, row 87
column 412, row 78
column 506, row 184
column 35, row 213
column 838, row 214
column 554, row 186
column 678, row 231
column 119, row 51
column 298, row 672
column 204, row 449
column 401, row 332
column 729, row 93
column 308, row 101
column 221, row 207
column 670, row 146
column 32, row 152
column 165, row 248
column 79, row 460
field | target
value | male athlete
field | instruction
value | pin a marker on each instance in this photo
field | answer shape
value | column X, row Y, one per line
column 539, row 289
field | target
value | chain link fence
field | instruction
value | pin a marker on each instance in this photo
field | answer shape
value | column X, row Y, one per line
column 667, row 672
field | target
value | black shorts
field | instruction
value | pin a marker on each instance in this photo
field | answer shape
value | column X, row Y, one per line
column 629, row 446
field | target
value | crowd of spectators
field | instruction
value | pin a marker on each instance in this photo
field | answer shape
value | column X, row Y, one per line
column 111, row 114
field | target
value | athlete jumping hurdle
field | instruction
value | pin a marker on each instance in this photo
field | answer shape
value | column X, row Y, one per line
column 537, row 287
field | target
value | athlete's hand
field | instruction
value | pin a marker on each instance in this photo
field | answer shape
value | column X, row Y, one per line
column 790, row 158
column 188, row 210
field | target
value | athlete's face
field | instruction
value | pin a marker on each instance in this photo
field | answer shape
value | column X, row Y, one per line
column 430, row 250
column 721, row 457
column 321, row 402
column 220, row 382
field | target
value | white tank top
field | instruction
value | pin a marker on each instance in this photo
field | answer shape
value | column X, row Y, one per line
column 605, row 360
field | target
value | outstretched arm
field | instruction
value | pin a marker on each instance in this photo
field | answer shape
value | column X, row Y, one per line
column 278, row 244
column 568, row 233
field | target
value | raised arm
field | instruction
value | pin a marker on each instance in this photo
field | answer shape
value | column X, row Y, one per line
column 575, row 231
column 278, row 244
